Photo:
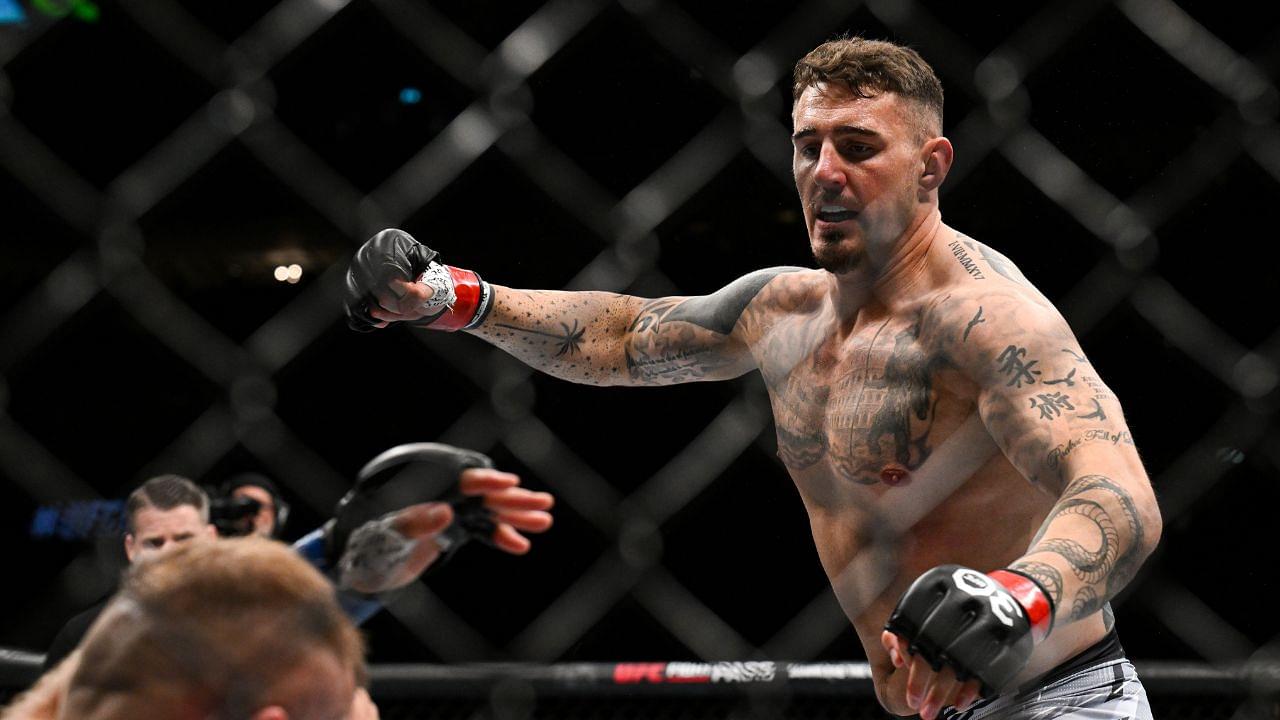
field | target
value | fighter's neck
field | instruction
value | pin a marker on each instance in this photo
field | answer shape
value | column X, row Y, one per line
column 891, row 277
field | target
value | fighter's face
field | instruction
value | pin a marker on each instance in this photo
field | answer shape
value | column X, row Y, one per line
column 857, row 165
column 156, row 531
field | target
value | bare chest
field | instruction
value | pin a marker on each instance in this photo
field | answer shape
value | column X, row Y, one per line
column 869, row 409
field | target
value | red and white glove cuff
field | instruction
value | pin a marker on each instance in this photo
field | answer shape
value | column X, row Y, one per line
column 1032, row 597
column 465, row 297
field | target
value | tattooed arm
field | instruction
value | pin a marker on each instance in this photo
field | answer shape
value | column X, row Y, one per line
column 606, row 339
column 1060, row 426
column 588, row 337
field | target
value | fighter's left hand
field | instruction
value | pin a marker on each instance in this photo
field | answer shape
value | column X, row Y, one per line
column 515, row 511
column 928, row 691
column 954, row 623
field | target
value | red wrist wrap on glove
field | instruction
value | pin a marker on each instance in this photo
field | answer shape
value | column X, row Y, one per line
column 472, row 301
column 1031, row 597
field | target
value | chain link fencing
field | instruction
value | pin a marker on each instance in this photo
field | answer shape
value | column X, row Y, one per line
column 160, row 159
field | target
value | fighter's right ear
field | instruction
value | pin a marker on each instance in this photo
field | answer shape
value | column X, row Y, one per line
column 130, row 546
column 937, row 156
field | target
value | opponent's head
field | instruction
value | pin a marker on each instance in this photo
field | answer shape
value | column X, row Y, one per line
column 165, row 511
column 868, row 153
column 241, row 628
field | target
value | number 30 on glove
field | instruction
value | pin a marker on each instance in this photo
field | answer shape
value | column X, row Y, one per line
column 982, row 626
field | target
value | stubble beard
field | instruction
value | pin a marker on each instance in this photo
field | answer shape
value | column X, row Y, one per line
column 830, row 253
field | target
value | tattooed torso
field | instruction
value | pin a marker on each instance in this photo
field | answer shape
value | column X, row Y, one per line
column 925, row 431
column 879, row 429
column 862, row 408
column 867, row 406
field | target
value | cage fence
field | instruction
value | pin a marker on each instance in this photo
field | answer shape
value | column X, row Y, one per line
column 183, row 183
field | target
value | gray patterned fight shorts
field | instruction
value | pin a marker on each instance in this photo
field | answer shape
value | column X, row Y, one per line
column 1106, row 691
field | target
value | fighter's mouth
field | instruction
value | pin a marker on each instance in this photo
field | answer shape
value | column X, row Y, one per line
column 835, row 214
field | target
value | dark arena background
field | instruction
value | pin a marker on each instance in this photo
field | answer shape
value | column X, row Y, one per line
column 182, row 183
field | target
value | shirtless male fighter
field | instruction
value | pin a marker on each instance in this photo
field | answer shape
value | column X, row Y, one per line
column 973, row 490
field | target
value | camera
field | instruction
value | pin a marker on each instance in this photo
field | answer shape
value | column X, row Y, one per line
column 233, row 515
column 237, row 504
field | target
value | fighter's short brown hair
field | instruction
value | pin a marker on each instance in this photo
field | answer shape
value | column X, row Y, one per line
column 165, row 492
column 214, row 626
column 870, row 67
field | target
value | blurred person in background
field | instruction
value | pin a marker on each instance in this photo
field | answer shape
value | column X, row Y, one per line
column 163, row 513
column 242, row 628
column 973, row 490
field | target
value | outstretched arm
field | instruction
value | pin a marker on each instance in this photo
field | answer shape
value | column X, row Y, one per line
column 606, row 339
column 595, row 338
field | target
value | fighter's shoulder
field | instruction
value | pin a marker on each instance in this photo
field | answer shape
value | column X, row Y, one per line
column 746, row 299
column 782, row 288
column 786, row 288
column 976, row 321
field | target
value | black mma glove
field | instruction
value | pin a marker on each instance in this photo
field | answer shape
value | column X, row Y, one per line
column 402, row 476
column 983, row 626
column 460, row 299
